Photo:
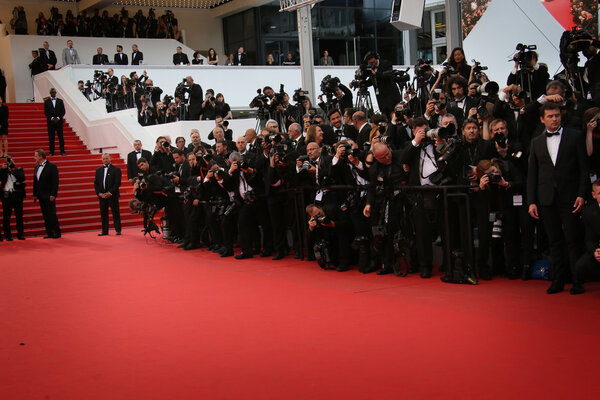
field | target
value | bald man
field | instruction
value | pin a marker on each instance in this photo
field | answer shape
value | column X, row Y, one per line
column 106, row 184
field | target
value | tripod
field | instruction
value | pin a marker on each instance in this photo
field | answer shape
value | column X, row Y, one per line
column 364, row 102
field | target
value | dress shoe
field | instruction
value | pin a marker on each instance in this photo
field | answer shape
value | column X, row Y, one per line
column 191, row 246
column 342, row 268
column 266, row 253
column 311, row 258
column 413, row 269
column 103, row 234
column 242, row 256
column 513, row 273
column 526, row 273
column 297, row 255
column 119, row 233
column 9, row 239
column 227, row 253
column 181, row 246
column 278, row 256
column 62, row 153
column 56, row 236
column 51, row 153
column 49, row 237
column 577, row 288
column 217, row 248
column 426, row 273
column 20, row 237
column 555, row 287
column 384, row 271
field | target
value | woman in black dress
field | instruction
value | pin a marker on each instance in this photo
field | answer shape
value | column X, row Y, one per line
column 213, row 58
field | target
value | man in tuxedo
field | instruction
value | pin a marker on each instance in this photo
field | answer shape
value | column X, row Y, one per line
column 359, row 120
column 298, row 141
column 557, row 181
column 54, row 109
column 590, row 260
column 99, row 58
column 133, row 157
column 195, row 91
column 386, row 90
column 120, row 57
column 12, row 193
column 106, row 184
column 137, row 56
column 69, row 54
column 180, row 58
column 45, row 190
column 240, row 58
column 338, row 131
column 48, row 56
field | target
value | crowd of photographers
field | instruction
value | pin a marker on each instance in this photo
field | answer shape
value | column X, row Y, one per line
column 362, row 189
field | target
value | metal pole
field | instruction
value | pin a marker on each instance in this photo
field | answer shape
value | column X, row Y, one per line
column 306, row 51
column 453, row 25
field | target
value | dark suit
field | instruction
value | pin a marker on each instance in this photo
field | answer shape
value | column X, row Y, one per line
column 136, row 57
column 522, row 128
column 554, row 188
column 44, row 188
column 534, row 82
column 363, row 134
column 180, row 58
column 132, row 168
column 54, row 119
column 12, row 200
column 240, row 59
column 333, row 135
column 591, row 220
column 109, row 185
column 121, row 59
column 49, row 58
column 389, row 95
column 195, row 102
column 100, row 59
column 3, row 120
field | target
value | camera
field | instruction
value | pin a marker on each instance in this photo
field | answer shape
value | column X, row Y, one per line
column 321, row 220
column 449, row 69
column 500, row 140
column 421, row 68
column 10, row 163
column 402, row 113
column 477, row 67
column 351, row 202
column 305, row 162
column 525, row 53
column 165, row 144
column 329, row 85
column 435, row 96
column 300, row 95
column 322, row 254
column 398, row 76
column 494, row 178
column 442, row 133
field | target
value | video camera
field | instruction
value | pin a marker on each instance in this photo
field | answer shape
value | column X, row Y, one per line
column 278, row 97
column 488, row 92
column 525, row 54
column 398, row 76
column 329, row 85
column 300, row 95
column 10, row 163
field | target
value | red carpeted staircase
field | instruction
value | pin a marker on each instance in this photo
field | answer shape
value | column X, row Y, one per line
column 77, row 203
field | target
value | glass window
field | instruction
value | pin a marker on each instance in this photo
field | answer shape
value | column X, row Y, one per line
column 384, row 4
column 365, row 45
column 440, row 24
column 391, row 50
column 363, row 23
column 332, row 21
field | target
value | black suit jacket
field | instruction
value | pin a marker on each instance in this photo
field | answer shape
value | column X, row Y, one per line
column 100, row 59
column 51, row 59
column 112, row 182
column 523, row 127
column 179, row 58
column 391, row 176
column 195, row 99
column 563, row 182
column 123, row 60
column 132, row 168
column 18, row 186
column 47, row 185
column 539, row 79
column 51, row 111
column 240, row 60
column 363, row 134
column 330, row 137
column 591, row 220
column 136, row 58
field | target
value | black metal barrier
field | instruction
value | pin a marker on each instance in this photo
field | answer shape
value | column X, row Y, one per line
column 458, row 192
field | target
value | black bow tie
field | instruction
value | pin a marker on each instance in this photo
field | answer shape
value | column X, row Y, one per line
column 550, row 134
column 106, row 166
column 137, row 152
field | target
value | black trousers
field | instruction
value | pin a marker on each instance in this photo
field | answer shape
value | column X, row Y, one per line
column 586, row 264
column 50, row 219
column 113, row 203
column 564, row 230
column 281, row 211
column 10, row 203
column 518, row 231
column 193, row 222
column 55, row 129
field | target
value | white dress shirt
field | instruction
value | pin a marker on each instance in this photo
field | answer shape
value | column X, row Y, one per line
column 39, row 171
column 553, row 143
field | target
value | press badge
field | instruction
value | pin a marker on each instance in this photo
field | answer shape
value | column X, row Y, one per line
column 517, row 200
column 593, row 177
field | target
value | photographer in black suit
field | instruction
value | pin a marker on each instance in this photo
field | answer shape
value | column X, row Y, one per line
column 54, row 109
column 133, row 157
column 99, row 58
column 386, row 90
column 337, row 130
column 106, row 184
column 557, row 181
column 196, row 101
column 590, row 260
column 12, row 192
column 120, row 57
column 45, row 190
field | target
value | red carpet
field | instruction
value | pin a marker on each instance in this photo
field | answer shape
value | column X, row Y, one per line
column 77, row 203
column 130, row 318
column 561, row 11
